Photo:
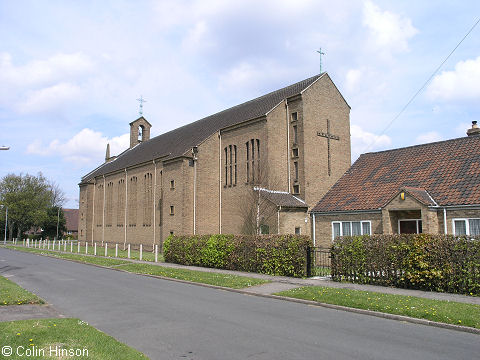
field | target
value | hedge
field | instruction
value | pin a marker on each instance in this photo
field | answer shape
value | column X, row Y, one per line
column 419, row 261
column 268, row 254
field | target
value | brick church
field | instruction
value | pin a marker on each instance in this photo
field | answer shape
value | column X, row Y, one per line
column 257, row 167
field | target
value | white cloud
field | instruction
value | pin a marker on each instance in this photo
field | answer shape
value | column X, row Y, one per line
column 84, row 148
column 364, row 141
column 389, row 32
column 352, row 79
column 48, row 98
column 459, row 84
column 428, row 137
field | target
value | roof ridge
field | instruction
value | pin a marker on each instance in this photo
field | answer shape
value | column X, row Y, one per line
column 419, row 145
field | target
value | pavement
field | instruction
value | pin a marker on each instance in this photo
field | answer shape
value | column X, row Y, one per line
column 168, row 319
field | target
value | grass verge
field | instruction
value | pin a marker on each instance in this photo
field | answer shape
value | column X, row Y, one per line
column 211, row 278
column 218, row 279
column 12, row 294
column 40, row 336
column 435, row 310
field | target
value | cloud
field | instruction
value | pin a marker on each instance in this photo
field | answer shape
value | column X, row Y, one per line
column 48, row 98
column 428, row 137
column 363, row 141
column 459, row 84
column 352, row 79
column 389, row 32
column 84, row 148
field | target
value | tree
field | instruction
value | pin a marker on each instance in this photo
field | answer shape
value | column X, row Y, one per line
column 54, row 216
column 28, row 198
column 256, row 210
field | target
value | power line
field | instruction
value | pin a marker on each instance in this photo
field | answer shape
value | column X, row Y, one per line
column 423, row 87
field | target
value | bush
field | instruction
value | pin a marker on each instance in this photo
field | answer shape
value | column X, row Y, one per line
column 268, row 254
column 417, row 261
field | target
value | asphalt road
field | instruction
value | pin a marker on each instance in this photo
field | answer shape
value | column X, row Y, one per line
column 171, row 320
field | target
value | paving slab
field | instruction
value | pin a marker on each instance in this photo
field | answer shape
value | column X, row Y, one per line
column 28, row 312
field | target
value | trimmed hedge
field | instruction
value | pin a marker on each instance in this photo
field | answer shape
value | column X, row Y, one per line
column 417, row 261
column 268, row 254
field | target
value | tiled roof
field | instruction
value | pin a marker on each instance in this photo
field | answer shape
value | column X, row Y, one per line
column 178, row 141
column 71, row 215
column 282, row 198
column 444, row 172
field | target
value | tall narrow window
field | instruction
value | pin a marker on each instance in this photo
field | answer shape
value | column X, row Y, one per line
column 109, row 205
column 226, row 165
column 235, row 164
column 252, row 142
column 132, row 203
column 99, row 206
column 295, row 134
column 121, row 203
column 258, row 160
column 295, row 165
column 248, row 161
column 147, row 199
column 231, row 161
column 294, row 116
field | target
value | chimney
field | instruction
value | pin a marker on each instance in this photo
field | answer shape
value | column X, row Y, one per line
column 107, row 153
column 475, row 130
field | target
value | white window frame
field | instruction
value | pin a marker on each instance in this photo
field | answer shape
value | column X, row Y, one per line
column 416, row 221
column 351, row 226
column 467, row 226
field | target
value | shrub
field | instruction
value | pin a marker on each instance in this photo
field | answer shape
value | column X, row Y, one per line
column 269, row 254
column 417, row 261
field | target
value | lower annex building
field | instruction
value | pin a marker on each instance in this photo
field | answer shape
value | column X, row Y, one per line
column 281, row 151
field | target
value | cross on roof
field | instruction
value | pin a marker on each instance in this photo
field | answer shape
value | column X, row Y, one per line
column 320, row 53
column 141, row 100
column 329, row 137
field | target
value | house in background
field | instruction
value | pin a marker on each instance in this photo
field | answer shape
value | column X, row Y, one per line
column 71, row 217
column 430, row 188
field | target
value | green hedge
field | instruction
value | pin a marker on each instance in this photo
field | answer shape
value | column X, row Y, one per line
column 268, row 254
column 418, row 261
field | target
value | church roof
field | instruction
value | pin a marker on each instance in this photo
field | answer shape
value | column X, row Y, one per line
column 282, row 198
column 444, row 173
column 178, row 141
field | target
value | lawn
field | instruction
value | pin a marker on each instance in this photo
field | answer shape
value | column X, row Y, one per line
column 436, row 310
column 12, row 294
column 211, row 278
column 46, row 338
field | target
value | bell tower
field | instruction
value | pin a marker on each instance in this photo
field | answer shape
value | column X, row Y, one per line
column 139, row 131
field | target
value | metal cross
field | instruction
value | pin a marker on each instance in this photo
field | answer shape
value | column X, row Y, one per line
column 329, row 137
column 320, row 53
column 141, row 100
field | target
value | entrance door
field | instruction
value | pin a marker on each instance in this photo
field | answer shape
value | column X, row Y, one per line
column 410, row 226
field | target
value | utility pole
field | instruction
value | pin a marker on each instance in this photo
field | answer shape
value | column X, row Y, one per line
column 58, row 219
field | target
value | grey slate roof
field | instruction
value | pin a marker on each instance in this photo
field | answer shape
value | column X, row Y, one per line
column 178, row 141
column 282, row 198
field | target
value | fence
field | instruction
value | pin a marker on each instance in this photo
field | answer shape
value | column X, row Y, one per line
column 113, row 250
column 318, row 261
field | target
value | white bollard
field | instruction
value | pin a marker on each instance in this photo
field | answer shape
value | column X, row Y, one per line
column 141, row 252
column 128, row 251
column 59, row 245
column 156, row 253
column 86, row 247
column 116, row 250
column 28, row 243
column 48, row 245
column 23, row 242
column 106, row 245
column 65, row 246
column 78, row 246
column 95, row 250
column 71, row 246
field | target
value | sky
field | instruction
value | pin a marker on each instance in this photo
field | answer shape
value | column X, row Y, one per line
column 71, row 71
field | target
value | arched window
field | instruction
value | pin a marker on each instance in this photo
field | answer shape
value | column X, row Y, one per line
column 141, row 129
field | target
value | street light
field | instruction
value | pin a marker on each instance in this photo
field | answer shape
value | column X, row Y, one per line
column 4, row 147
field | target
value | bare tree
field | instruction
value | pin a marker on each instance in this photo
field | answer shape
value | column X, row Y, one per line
column 255, row 208
column 57, row 194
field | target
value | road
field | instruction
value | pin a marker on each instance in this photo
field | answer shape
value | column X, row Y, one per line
column 172, row 320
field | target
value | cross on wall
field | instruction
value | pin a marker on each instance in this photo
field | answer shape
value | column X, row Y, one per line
column 329, row 137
